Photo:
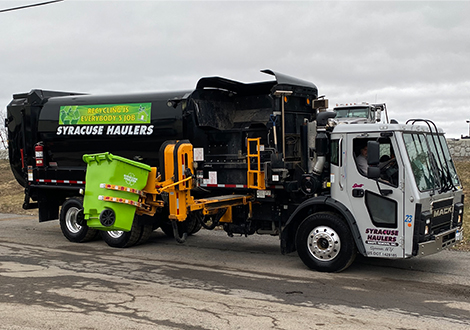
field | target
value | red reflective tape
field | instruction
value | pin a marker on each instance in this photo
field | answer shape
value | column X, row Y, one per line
column 59, row 181
column 122, row 188
column 224, row 185
column 120, row 200
column 177, row 204
column 22, row 158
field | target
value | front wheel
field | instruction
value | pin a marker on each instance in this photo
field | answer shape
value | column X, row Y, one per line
column 73, row 229
column 324, row 243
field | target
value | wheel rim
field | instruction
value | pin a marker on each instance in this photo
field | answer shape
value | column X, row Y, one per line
column 71, row 220
column 115, row 233
column 324, row 243
column 107, row 217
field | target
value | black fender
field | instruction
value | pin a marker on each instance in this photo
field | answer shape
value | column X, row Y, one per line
column 314, row 205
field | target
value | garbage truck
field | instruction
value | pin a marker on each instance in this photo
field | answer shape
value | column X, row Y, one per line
column 354, row 113
column 264, row 158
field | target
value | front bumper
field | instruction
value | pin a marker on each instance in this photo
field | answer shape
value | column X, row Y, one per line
column 441, row 241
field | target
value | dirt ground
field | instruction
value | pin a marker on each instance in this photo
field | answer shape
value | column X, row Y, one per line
column 11, row 193
column 12, row 196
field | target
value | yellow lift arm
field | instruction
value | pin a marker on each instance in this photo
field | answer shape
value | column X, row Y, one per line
column 178, row 182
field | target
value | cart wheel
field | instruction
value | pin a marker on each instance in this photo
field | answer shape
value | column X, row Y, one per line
column 107, row 217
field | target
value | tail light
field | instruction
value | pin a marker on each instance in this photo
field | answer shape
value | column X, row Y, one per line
column 39, row 154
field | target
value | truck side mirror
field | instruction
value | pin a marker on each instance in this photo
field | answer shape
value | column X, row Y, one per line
column 373, row 159
column 373, row 172
column 373, row 153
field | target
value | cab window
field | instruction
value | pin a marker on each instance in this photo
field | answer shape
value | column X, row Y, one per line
column 388, row 165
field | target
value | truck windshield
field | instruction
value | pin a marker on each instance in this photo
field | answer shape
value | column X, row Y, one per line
column 431, row 162
column 446, row 166
column 360, row 112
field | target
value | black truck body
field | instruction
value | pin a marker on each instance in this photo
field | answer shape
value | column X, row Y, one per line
column 218, row 115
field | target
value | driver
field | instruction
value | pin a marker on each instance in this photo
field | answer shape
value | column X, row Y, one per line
column 361, row 160
column 388, row 165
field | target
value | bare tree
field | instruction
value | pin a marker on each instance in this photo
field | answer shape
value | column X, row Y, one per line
column 3, row 130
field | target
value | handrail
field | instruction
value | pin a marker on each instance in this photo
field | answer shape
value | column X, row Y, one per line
column 446, row 170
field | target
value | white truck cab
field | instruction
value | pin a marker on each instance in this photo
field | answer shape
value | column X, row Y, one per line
column 410, row 202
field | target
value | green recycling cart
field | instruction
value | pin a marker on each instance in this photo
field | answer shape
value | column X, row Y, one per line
column 112, row 188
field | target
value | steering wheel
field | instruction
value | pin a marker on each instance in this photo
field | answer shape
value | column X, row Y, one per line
column 389, row 170
column 388, row 164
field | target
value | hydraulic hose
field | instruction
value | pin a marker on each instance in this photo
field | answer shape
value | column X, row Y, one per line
column 179, row 239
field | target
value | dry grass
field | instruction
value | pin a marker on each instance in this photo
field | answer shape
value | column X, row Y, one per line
column 12, row 196
column 11, row 193
column 463, row 169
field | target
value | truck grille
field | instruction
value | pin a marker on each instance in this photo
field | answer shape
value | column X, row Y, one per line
column 441, row 215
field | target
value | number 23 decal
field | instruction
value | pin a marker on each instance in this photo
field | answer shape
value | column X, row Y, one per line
column 408, row 219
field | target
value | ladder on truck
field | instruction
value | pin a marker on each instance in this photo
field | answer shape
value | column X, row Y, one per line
column 255, row 175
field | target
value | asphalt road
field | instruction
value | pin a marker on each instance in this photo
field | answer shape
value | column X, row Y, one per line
column 215, row 282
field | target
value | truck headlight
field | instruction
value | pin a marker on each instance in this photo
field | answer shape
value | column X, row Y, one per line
column 458, row 214
column 424, row 225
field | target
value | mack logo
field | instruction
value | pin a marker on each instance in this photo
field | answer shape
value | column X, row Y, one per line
column 442, row 211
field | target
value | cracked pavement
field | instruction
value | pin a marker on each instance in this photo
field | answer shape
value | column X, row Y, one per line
column 215, row 282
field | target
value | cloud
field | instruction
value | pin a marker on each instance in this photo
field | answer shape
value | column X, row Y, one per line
column 413, row 55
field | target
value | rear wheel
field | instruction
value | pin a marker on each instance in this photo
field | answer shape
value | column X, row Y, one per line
column 71, row 222
column 191, row 225
column 147, row 230
column 324, row 243
column 197, row 227
column 166, row 226
column 123, row 239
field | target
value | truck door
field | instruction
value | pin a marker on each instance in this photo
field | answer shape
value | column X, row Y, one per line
column 377, row 204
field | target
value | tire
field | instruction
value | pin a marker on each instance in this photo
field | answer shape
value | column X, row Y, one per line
column 197, row 227
column 191, row 226
column 123, row 239
column 164, row 223
column 147, row 230
column 167, row 228
column 324, row 243
column 69, row 217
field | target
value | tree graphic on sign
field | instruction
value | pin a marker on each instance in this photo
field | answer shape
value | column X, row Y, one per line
column 70, row 115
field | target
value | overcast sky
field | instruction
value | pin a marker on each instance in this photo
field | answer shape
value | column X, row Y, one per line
column 414, row 56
